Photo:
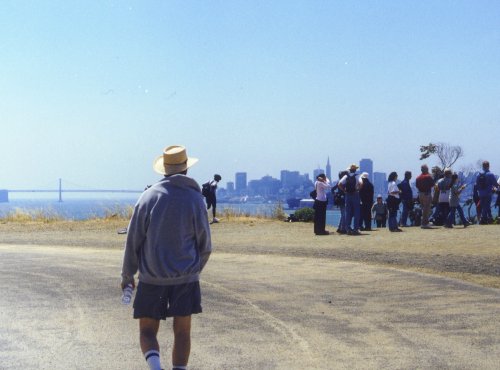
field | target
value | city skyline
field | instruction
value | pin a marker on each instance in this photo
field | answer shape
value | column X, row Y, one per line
column 241, row 177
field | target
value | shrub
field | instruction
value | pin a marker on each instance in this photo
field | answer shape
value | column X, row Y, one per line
column 278, row 213
column 305, row 214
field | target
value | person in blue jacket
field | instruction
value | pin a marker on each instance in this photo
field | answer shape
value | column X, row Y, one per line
column 406, row 196
column 486, row 184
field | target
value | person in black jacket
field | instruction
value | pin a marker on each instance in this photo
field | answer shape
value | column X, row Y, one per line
column 406, row 199
column 366, row 197
column 211, row 196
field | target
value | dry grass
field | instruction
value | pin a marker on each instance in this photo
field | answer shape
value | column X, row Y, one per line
column 238, row 215
column 36, row 215
column 47, row 215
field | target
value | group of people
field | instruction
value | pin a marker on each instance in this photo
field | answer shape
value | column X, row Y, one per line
column 353, row 194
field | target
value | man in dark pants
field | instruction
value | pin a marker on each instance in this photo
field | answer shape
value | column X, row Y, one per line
column 366, row 196
column 322, row 186
column 211, row 198
column 350, row 184
column 168, row 242
column 486, row 184
column 406, row 199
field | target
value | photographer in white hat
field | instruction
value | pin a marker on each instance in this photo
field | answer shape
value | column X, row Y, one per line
column 168, row 242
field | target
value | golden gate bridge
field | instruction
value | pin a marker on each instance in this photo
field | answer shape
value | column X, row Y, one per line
column 4, row 193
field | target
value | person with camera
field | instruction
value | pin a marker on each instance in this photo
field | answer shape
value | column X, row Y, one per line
column 321, row 186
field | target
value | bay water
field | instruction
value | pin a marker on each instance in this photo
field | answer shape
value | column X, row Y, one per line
column 87, row 208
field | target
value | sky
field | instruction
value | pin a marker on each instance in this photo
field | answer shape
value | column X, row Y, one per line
column 92, row 91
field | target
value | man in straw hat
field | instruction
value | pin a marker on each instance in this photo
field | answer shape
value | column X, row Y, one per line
column 351, row 184
column 168, row 242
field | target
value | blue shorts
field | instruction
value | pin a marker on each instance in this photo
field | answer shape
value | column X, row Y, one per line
column 159, row 302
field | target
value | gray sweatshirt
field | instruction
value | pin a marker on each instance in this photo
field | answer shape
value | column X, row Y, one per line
column 168, row 237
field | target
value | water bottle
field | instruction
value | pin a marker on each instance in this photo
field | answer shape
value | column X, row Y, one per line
column 127, row 294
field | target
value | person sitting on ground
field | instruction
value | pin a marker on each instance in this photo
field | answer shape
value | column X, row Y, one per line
column 379, row 212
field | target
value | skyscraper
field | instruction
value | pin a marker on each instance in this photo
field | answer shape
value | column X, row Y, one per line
column 241, row 181
column 290, row 179
column 366, row 165
column 328, row 169
column 380, row 183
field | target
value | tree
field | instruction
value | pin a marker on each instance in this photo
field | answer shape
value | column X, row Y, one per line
column 446, row 153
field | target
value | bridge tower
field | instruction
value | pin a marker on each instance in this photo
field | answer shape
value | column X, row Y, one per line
column 60, row 190
column 4, row 196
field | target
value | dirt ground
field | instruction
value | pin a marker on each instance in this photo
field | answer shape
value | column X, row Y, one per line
column 275, row 297
column 471, row 254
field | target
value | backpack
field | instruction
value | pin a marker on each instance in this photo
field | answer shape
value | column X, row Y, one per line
column 350, row 184
column 338, row 198
column 481, row 181
column 205, row 189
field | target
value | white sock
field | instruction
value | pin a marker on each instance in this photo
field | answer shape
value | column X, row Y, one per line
column 179, row 368
column 153, row 359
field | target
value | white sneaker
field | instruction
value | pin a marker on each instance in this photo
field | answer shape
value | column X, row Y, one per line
column 215, row 220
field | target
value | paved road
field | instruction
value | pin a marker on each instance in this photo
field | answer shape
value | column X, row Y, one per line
column 59, row 309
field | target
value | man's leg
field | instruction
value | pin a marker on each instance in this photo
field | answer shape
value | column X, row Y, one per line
column 323, row 216
column 450, row 220
column 182, row 340
column 357, row 211
column 214, row 207
column 464, row 220
column 348, row 212
column 404, row 214
column 426, row 208
column 148, row 329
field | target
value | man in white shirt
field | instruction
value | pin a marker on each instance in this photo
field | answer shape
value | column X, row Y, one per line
column 322, row 186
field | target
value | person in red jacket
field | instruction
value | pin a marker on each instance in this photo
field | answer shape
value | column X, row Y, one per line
column 424, row 184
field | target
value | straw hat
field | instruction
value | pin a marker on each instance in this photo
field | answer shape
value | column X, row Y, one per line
column 174, row 160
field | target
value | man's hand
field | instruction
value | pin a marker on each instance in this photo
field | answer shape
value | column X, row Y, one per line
column 126, row 282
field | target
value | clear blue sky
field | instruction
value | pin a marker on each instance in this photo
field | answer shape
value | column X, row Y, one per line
column 92, row 91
